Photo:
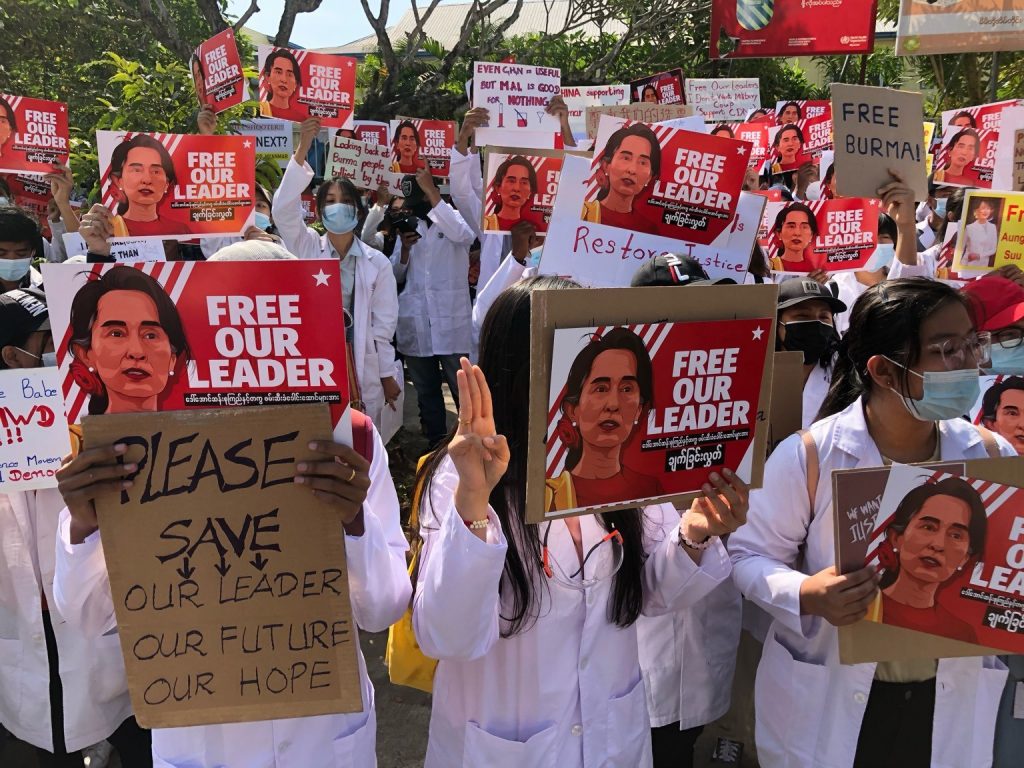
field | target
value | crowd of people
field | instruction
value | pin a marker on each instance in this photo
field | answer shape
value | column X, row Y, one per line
column 601, row 640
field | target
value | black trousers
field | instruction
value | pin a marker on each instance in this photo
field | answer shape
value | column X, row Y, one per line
column 672, row 747
column 897, row 727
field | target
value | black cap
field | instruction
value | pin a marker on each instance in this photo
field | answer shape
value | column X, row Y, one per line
column 800, row 289
column 670, row 269
column 22, row 311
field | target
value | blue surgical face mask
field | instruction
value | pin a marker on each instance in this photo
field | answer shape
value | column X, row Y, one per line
column 48, row 359
column 4, row 200
column 340, row 218
column 13, row 270
column 947, row 394
column 533, row 260
column 940, row 207
column 262, row 221
column 882, row 257
column 1007, row 360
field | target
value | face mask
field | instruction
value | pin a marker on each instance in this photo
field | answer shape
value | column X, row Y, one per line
column 940, row 207
column 4, row 200
column 13, row 270
column 882, row 257
column 533, row 260
column 947, row 394
column 813, row 191
column 340, row 218
column 49, row 359
column 1007, row 360
column 262, row 221
column 814, row 338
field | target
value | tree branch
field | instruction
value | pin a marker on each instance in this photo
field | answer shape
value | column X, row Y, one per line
column 292, row 8
column 211, row 12
column 164, row 27
column 253, row 8
column 379, row 24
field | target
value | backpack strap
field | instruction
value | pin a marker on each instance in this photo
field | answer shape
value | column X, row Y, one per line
column 990, row 442
column 362, row 434
column 813, row 470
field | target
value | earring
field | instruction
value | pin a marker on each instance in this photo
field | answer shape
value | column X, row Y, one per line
column 959, row 567
column 91, row 369
column 895, row 549
column 170, row 372
column 573, row 423
column 635, row 422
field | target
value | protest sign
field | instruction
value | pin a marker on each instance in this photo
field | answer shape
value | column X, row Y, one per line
column 296, row 85
column 794, row 144
column 694, row 123
column 1008, row 172
column 33, row 428
column 754, row 29
column 794, row 111
column 1000, row 408
column 662, row 88
column 230, row 334
column 517, row 137
column 963, row 26
column 365, row 164
column 217, row 73
column 422, row 144
column 125, row 250
column 992, row 227
column 702, row 366
column 640, row 113
column 929, row 140
column 30, row 193
column 164, row 185
column 228, row 579
column 727, row 98
column 944, row 258
column 519, row 185
column 970, row 136
column 373, row 132
column 835, row 235
column 757, row 135
column 877, row 130
column 273, row 138
column 578, row 97
column 785, row 408
column 516, row 95
column 33, row 134
column 308, row 203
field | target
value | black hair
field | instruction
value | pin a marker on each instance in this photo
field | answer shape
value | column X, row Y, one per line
column 398, row 132
column 756, row 113
column 977, row 202
column 140, row 140
column 966, row 132
column 503, row 169
column 912, row 503
column 723, row 129
column 11, row 118
column 504, row 356
column 783, row 129
column 283, row 53
column 829, row 174
column 615, row 141
column 16, row 226
column 885, row 320
column 347, row 187
column 196, row 61
column 780, row 217
column 968, row 115
column 990, row 402
column 787, row 105
column 887, row 226
column 758, row 263
column 650, row 87
column 121, row 278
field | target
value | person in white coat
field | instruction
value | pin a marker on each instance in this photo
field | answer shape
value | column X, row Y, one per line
column 368, row 284
column 534, row 625
column 434, row 312
column 906, row 370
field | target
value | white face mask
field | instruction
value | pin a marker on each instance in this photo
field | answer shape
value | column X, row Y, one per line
column 946, row 394
column 813, row 191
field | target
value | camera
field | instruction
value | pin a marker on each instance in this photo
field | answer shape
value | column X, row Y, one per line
column 401, row 219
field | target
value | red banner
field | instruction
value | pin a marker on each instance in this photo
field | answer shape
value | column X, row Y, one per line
column 217, row 73
column 663, row 88
column 521, row 185
column 417, row 143
column 32, row 194
column 33, row 134
column 372, row 132
column 172, row 185
column 757, row 134
column 765, row 28
column 296, row 85
column 966, row 155
column 834, row 235
column 794, row 144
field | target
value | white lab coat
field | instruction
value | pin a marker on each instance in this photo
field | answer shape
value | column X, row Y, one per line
column 91, row 668
column 566, row 692
column 379, row 589
column 851, row 289
column 434, row 312
column 815, row 389
column 809, row 706
column 467, row 190
column 375, row 294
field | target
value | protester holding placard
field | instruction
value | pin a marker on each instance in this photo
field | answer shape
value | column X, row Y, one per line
column 906, row 370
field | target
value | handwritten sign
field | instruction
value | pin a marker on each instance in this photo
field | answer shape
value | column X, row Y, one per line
column 639, row 113
column 1008, row 173
column 578, row 97
column 33, row 429
column 517, row 95
column 364, row 163
column 229, row 580
column 727, row 98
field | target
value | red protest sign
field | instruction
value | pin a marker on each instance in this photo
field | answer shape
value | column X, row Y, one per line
column 168, row 185
column 420, row 143
column 966, row 155
column 372, row 132
column 835, row 235
column 33, row 134
column 794, row 111
column 32, row 194
column 765, row 28
column 521, row 185
column 217, row 73
column 659, row 180
column 794, row 144
column 296, row 85
column 757, row 134
column 662, row 88
column 219, row 334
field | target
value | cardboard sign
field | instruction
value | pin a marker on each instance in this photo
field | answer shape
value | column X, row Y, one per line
column 33, row 429
column 229, row 580
column 727, row 98
column 516, row 95
column 422, row 144
column 125, row 251
column 373, row 132
column 365, row 164
column 761, row 28
column 217, row 73
column 296, row 85
column 519, row 185
column 228, row 334
column 959, row 27
column 877, row 130
column 1008, row 172
column 30, row 193
column 662, row 88
column 795, row 144
column 992, row 232
column 33, row 134
column 640, row 112
column 786, row 406
column 162, row 185
column 702, row 366
column 835, row 235
column 578, row 97
column 273, row 138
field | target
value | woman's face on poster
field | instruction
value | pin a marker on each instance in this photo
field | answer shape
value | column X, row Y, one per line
column 282, row 79
column 983, row 212
column 143, row 179
column 789, row 115
column 609, row 401
column 6, row 129
column 650, row 95
column 963, row 152
column 790, row 146
column 630, row 168
column 515, row 189
column 796, row 234
column 936, row 541
column 407, row 146
column 963, row 121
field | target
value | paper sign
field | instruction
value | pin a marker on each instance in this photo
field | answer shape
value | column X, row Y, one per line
column 835, row 235
column 516, row 95
column 422, row 143
column 877, row 130
column 163, row 185
column 516, row 137
column 959, row 27
column 217, row 73
column 578, row 97
column 727, row 98
column 228, row 579
column 33, row 134
column 662, row 88
column 30, row 193
column 763, row 28
column 1000, row 408
column 1008, row 173
column 520, row 185
column 373, row 132
column 229, row 334
column 992, row 228
column 365, row 164
column 690, row 391
column 640, row 112
column 296, row 85
column 794, row 144
column 124, row 251
column 33, row 429
column 273, row 138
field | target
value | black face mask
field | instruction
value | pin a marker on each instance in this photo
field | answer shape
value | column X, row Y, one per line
column 817, row 340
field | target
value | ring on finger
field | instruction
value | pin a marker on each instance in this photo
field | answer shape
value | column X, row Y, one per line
column 352, row 476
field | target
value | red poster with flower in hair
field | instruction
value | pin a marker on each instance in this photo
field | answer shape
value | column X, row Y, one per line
column 834, row 235
column 171, row 336
column 33, row 134
column 217, row 73
column 520, row 185
column 297, row 85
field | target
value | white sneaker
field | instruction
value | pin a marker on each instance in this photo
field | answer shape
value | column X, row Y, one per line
column 98, row 755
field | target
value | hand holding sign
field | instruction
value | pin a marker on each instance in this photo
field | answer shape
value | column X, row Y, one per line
column 476, row 117
column 720, row 511
column 82, row 478
column 308, row 130
column 61, row 183
column 96, row 228
column 342, row 480
column 838, row 599
column 206, row 121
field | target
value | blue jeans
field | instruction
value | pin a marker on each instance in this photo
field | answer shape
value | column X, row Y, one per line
column 426, row 374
